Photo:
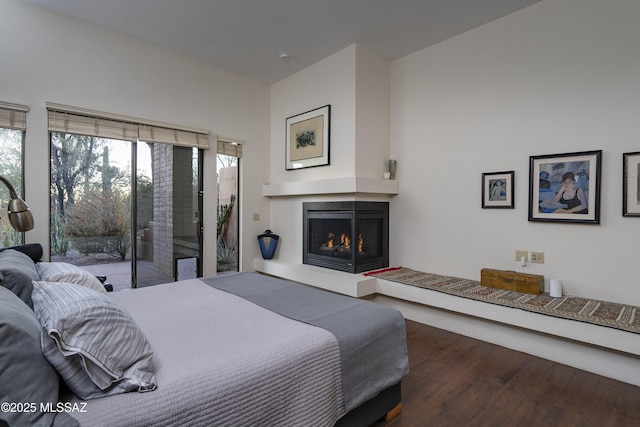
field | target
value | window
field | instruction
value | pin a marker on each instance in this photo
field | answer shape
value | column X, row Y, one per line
column 13, row 121
column 228, row 231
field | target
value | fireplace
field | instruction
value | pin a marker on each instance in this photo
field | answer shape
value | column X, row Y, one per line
column 346, row 236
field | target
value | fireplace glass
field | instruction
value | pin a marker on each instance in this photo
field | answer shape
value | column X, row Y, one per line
column 347, row 236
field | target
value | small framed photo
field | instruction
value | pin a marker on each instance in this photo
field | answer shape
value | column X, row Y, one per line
column 631, row 184
column 565, row 187
column 307, row 140
column 497, row 190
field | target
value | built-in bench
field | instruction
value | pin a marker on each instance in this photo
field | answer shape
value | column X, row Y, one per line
column 605, row 351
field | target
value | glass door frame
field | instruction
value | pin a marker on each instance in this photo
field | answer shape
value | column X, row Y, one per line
column 134, row 213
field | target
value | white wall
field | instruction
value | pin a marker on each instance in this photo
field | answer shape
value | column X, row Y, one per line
column 560, row 76
column 355, row 81
column 372, row 114
column 49, row 57
column 330, row 81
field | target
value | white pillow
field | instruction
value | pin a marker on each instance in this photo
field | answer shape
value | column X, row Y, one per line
column 64, row 272
column 93, row 343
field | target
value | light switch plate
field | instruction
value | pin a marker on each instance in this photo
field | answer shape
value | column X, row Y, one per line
column 537, row 257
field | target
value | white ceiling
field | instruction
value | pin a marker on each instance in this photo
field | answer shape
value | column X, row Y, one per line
column 246, row 36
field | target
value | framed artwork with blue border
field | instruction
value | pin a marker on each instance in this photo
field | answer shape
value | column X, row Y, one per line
column 565, row 187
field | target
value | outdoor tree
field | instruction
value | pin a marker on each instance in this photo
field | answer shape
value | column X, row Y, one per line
column 110, row 174
column 90, row 198
column 74, row 160
column 145, row 201
column 99, row 222
column 11, row 155
column 11, row 169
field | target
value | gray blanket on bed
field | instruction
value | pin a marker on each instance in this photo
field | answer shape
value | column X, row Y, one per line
column 363, row 329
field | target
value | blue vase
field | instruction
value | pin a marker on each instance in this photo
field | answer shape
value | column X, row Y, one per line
column 268, row 242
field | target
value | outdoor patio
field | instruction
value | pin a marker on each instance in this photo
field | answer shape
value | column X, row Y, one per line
column 119, row 274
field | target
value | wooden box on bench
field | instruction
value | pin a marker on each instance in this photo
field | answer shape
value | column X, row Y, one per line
column 512, row 281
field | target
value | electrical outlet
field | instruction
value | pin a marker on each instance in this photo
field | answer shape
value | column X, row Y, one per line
column 256, row 217
column 520, row 254
column 537, row 257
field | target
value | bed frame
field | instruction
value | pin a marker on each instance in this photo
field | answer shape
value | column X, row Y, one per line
column 387, row 404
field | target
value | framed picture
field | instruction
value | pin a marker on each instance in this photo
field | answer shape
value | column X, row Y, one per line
column 307, row 140
column 565, row 187
column 631, row 184
column 497, row 190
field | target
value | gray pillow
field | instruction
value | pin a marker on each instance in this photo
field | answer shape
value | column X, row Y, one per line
column 18, row 271
column 27, row 377
column 32, row 250
column 65, row 272
column 93, row 343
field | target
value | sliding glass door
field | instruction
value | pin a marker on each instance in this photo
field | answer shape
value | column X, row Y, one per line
column 127, row 210
column 168, row 213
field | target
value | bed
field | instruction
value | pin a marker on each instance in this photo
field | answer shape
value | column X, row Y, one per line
column 237, row 349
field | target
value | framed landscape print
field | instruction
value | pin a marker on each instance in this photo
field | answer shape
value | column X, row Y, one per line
column 307, row 139
column 631, row 184
column 565, row 187
column 497, row 190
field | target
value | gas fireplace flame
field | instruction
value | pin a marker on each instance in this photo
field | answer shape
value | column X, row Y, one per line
column 345, row 243
column 330, row 240
column 345, row 240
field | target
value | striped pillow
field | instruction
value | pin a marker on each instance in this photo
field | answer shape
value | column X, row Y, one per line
column 92, row 342
column 65, row 272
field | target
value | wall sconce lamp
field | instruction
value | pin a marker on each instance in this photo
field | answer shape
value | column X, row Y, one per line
column 20, row 216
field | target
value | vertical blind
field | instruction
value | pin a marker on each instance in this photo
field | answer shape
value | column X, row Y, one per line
column 114, row 126
column 13, row 116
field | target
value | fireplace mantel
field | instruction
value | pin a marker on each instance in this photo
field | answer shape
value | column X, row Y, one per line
column 349, row 185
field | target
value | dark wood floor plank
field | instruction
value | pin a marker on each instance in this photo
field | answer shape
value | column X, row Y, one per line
column 460, row 381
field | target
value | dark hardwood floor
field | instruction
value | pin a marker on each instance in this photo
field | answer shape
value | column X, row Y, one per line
column 459, row 381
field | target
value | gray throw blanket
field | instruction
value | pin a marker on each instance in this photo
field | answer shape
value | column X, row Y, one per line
column 371, row 337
